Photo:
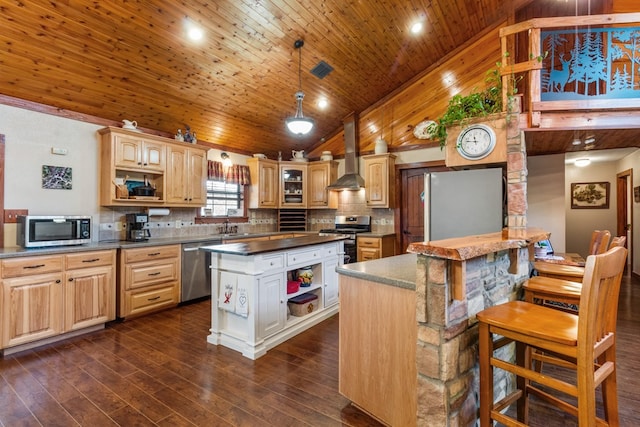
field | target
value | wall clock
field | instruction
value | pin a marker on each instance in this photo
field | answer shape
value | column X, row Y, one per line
column 421, row 130
column 476, row 142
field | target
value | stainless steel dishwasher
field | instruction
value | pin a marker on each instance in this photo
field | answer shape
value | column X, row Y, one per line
column 196, row 274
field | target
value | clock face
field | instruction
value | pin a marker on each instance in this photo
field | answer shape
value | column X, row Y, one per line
column 421, row 130
column 476, row 142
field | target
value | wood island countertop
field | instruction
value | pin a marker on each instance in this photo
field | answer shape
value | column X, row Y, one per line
column 261, row 246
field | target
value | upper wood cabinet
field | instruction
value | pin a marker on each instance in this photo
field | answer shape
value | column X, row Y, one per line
column 319, row 176
column 137, row 153
column 293, row 185
column 264, row 183
column 186, row 176
column 379, row 180
column 177, row 170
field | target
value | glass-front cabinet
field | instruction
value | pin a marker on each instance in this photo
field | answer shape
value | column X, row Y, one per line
column 293, row 184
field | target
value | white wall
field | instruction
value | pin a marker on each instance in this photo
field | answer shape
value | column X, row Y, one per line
column 546, row 197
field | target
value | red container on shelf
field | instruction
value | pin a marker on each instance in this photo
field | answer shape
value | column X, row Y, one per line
column 293, row 286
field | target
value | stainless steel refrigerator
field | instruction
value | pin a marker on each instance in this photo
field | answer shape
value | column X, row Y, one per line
column 463, row 203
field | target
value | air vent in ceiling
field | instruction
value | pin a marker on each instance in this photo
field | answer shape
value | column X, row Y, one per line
column 321, row 70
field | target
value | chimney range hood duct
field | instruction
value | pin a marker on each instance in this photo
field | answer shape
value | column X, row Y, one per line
column 351, row 180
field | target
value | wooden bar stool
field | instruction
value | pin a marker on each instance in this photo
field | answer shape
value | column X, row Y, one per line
column 567, row 340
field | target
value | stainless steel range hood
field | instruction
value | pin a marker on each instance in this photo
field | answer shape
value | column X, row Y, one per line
column 351, row 180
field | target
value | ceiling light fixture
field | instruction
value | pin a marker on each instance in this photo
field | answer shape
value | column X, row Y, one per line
column 576, row 141
column 298, row 124
column 226, row 160
column 416, row 27
column 582, row 162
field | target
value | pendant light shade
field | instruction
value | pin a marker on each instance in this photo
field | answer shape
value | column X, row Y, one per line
column 298, row 124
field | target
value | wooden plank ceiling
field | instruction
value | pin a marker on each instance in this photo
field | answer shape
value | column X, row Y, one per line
column 132, row 60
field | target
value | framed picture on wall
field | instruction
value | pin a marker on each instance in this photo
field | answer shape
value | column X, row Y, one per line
column 590, row 195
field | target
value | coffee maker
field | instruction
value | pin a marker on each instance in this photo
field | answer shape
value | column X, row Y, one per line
column 135, row 227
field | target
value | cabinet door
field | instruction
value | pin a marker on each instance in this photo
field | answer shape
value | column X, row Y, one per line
column 271, row 305
column 89, row 297
column 330, row 282
column 128, row 152
column 176, row 174
column 197, row 177
column 31, row 308
column 319, row 177
column 268, row 185
column 153, row 156
column 292, row 186
column 376, row 179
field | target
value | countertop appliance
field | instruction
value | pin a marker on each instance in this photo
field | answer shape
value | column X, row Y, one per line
column 36, row 231
column 463, row 203
column 196, row 270
column 136, row 231
column 349, row 226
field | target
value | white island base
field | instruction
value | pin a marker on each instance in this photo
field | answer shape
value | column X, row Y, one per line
column 249, row 310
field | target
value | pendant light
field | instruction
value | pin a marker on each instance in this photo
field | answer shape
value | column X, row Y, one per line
column 298, row 124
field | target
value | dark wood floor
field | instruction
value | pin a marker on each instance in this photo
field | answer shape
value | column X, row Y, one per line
column 159, row 370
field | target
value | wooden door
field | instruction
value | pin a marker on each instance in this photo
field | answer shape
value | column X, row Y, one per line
column 411, row 206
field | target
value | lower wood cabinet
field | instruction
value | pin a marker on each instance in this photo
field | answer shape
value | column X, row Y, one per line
column 45, row 296
column 375, row 247
column 149, row 279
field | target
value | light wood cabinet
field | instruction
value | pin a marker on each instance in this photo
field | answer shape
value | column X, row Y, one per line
column 293, row 185
column 375, row 247
column 379, row 178
column 149, row 279
column 186, row 176
column 178, row 171
column 263, row 192
column 320, row 175
column 45, row 296
column 90, row 296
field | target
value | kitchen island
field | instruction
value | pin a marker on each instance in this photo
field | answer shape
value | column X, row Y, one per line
column 252, row 309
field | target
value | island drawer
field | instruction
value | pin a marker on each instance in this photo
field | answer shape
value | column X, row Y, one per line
column 331, row 250
column 273, row 262
column 304, row 257
column 89, row 259
column 26, row 266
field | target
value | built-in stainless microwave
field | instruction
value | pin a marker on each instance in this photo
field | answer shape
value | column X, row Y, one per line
column 37, row 231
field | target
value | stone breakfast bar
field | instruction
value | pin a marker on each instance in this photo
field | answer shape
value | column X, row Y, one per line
column 404, row 329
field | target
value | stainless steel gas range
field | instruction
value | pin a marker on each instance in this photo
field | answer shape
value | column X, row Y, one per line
column 349, row 226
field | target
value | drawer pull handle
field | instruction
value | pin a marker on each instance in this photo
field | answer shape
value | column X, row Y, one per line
column 154, row 274
column 33, row 266
column 154, row 253
column 91, row 260
column 154, row 298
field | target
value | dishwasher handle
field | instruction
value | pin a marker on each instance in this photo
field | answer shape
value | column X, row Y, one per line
column 191, row 249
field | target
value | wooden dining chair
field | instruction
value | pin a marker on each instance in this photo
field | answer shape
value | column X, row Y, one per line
column 574, row 341
column 599, row 243
column 564, row 286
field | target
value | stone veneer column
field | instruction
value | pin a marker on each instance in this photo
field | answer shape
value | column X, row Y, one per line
column 447, row 347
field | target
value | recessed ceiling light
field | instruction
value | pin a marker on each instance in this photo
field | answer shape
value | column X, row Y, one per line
column 582, row 162
column 416, row 27
column 323, row 103
column 195, row 33
column 590, row 140
column 576, row 141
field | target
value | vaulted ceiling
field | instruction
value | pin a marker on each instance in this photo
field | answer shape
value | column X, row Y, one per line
column 116, row 60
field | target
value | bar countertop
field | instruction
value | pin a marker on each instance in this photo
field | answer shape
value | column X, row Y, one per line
column 399, row 270
column 464, row 248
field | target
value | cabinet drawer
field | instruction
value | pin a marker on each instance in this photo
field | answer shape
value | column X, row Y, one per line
column 273, row 262
column 151, row 253
column 146, row 274
column 310, row 256
column 151, row 299
column 27, row 266
column 368, row 254
column 330, row 250
column 89, row 259
column 368, row 242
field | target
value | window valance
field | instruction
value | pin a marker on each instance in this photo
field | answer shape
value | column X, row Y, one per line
column 234, row 174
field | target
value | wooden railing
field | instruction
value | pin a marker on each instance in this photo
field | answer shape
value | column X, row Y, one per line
column 601, row 71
